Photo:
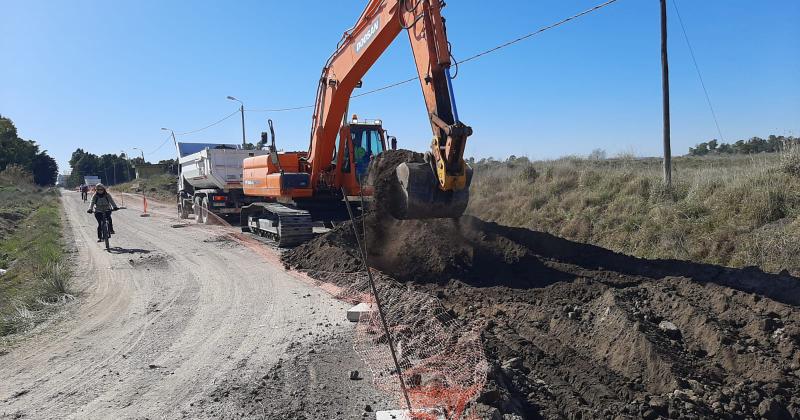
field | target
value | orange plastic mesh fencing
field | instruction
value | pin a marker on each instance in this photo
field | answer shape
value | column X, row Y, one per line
column 441, row 358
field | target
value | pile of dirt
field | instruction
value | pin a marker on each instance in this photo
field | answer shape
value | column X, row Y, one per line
column 577, row 331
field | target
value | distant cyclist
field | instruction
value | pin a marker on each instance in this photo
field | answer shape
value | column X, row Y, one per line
column 84, row 192
column 102, row 204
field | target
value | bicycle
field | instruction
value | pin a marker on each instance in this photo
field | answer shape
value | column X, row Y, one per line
column 84, row 196
column 105, row 232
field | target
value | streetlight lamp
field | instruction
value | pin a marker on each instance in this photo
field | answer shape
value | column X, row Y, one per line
column 241, row 108
column 173, row 135
column 142, row 152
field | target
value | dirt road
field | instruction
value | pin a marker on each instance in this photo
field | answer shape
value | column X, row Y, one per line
column 180, row 321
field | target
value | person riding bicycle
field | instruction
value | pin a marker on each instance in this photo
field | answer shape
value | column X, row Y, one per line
column 84, row 191
column 102, row 204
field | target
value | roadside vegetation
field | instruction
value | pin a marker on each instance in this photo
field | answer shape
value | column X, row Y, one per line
column 112, row 169
column 771, row 144
column 35, row 277
column 729, row 209
column 26, row 154
column 161, row 187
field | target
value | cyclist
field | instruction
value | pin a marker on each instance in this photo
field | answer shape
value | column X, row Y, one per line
column 84, row 192
column 102, row 204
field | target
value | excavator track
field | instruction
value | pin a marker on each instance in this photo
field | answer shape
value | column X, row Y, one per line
column 285, row 225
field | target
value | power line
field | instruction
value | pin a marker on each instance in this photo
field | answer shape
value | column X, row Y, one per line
column 162, row 145
column 697, row 68
column 470, row 58
column 537, row 32
column 208, row 126
column 294, row 108
column 389, row 86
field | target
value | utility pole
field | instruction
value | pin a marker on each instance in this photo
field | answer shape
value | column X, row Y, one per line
column 142, row 152
column 665, row 94
column 241, row 109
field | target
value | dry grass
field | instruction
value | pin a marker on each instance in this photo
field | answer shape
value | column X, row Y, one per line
column 730, row 210
column 31, row 249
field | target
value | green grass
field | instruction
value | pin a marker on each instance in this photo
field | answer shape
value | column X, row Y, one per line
column 729, row 210
column 32, row 250
column 162, row 187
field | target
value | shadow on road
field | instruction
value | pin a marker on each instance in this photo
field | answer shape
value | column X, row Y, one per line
column 119, row 250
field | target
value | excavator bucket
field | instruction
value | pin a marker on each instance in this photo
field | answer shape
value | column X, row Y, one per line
column 417, row 194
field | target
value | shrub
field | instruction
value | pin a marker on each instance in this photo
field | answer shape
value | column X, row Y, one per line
column 15, row 175
column 790, row 161
column 529, row 173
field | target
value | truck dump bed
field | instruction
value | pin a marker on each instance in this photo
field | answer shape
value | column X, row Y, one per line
column 208, row 165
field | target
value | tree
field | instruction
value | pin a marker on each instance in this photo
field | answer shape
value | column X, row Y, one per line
column 754, row 145
column 171, row 165
column 26, row 154
column 45, row 169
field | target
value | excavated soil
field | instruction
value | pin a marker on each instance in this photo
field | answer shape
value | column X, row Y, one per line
column 577, row 331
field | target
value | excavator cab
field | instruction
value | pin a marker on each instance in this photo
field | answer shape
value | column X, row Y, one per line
column 368, row 142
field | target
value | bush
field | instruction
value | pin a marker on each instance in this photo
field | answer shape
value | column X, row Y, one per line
column 529, row 173
column 15, row 175
column 790, row 161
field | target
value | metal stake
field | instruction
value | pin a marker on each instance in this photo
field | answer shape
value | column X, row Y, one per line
column 363, row 252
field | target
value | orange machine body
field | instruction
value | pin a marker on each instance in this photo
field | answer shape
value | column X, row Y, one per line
column 291, row 178
column 264, row 178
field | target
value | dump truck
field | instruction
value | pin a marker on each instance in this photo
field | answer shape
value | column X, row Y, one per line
column 91, row 180
column 210, row 180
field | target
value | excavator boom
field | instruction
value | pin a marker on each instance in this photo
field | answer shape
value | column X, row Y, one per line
column 439, row 186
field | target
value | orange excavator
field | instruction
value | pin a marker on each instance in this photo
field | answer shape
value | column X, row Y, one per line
column 300, row 188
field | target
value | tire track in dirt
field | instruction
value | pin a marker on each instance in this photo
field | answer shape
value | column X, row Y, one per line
column 162, row 323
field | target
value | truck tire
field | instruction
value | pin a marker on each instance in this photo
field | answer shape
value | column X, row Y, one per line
column 182, row 212
column 198, row 210
column 207, row 218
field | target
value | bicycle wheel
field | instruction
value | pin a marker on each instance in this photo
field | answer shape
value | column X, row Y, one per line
column 106, row 235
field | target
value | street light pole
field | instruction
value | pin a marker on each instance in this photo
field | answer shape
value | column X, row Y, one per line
column 174, row 141
column 128, row 166
column 241, row 109
column 141, row 151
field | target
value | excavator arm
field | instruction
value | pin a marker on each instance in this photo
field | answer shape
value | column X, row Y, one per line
column 440, row 189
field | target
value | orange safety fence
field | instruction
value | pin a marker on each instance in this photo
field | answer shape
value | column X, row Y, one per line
column 441, row 358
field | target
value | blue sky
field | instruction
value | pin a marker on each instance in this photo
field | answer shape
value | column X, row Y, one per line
column 106, row 76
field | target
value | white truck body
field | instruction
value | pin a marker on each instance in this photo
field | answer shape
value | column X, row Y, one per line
column 210, row 180
column 91, row 180
column 213, row 166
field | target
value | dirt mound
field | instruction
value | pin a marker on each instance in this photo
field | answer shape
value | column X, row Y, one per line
column 577, row 331
column 573, row 328
column 382, row 176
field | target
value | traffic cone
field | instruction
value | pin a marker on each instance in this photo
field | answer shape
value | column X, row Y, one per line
column 144, row 207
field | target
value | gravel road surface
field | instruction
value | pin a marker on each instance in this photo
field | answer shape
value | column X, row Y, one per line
column 179, row 320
